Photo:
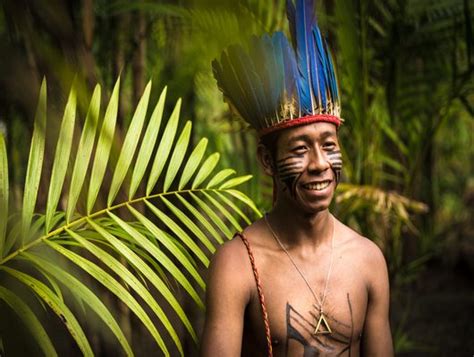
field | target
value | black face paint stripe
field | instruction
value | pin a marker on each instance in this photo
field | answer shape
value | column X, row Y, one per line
column 287, row 174
column 289, row 166
column 294, row 169
column 293, row 186
column 289, row 170
column 335, row 160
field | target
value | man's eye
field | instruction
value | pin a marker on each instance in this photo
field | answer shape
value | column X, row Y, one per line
column 329, row 146
column 299, row 149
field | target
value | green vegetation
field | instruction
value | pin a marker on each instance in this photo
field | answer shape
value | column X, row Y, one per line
column 103, row 183
column 132, row 256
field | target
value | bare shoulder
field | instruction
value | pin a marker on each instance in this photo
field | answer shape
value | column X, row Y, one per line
column 234, row 253
column 358, row 244
column 230, row 258
column 230, row 266
column 229, row 290
column 364, row 252
column 229, row 253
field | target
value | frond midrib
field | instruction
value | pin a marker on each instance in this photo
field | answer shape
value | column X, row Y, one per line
column 83, row 219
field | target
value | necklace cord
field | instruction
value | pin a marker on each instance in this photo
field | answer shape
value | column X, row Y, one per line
column 320, row 302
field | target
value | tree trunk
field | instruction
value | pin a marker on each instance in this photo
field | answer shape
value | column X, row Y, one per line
column 139, row 57
column 88, row 60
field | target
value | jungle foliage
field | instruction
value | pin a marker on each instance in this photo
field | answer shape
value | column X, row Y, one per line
column 90, row 183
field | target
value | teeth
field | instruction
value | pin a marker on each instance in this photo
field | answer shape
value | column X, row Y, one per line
column 317, row 186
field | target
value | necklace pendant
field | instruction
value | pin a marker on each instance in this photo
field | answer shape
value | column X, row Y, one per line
column 322, row 326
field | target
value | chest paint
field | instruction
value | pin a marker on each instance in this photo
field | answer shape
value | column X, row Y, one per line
column 301, row 328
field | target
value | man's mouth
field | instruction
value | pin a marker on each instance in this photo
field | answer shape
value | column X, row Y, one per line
column 317, row 186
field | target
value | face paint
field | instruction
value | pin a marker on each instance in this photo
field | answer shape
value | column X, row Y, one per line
column 335, row 160
column 289, row 170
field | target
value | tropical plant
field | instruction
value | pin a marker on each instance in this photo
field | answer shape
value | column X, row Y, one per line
column 134, row 244
column 406, row 79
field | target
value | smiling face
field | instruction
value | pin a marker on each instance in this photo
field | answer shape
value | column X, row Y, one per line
column 307, row 166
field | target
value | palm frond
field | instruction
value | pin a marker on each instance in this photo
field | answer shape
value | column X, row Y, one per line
column 182, row 211
column 35, row 162
column 351, row 197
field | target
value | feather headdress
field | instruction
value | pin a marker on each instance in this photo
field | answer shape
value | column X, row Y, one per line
column 273, row 84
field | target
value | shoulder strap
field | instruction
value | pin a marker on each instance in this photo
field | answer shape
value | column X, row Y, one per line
column 260, row 294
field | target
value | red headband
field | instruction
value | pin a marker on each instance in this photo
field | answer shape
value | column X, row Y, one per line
column 302, row 121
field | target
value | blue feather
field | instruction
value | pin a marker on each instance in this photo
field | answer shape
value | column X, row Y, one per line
column 291, row 93
column 249, row 82
column 272, row 77
column 290, row 14
column 279, row 77
column 320, row 66
column 306, row 53
column 333, row 79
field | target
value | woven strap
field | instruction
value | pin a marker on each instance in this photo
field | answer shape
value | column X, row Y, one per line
column 261, row 298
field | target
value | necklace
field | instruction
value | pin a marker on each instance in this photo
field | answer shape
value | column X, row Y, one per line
column 321, row 324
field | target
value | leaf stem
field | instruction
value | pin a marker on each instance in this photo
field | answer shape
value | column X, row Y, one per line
column 84, row 218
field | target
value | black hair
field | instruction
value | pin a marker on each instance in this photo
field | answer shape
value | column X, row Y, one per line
column 270, row 142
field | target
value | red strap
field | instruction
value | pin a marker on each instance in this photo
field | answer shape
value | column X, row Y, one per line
column 260, row 294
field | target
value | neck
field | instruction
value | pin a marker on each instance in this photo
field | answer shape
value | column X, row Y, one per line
column 312, row 230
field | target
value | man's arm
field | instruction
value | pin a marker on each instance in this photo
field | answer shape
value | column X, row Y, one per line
column 227, row 295
column 377, row 338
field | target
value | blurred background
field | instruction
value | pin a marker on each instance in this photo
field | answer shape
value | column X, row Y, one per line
column 406, row 74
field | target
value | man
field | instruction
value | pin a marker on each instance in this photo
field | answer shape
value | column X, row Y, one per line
column 297, row 282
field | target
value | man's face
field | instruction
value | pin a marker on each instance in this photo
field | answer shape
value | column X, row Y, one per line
column 308, row 163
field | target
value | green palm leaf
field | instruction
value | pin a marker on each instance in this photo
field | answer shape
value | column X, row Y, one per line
column 30, row 320
column 167, row 263
column 149, row 140
column 201, row 219
column 59, row 308
column 178, row 155
column 206, row 169
column 190, row 210
column 3, row 193
column 129, row 145
column 103, row 148
column 35, row 162
column 84, row 152
column 85, row 295
column 61, row 158
column 221, row 176
column 164, row 148
column 115, row 287
column 193, row 163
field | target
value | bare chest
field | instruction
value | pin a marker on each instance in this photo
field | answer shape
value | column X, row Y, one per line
column 325, row 320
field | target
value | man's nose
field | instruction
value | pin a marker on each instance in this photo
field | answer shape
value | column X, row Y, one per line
column 318, row 161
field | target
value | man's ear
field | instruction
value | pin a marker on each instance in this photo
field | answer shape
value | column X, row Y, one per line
column 266, row 159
